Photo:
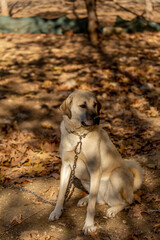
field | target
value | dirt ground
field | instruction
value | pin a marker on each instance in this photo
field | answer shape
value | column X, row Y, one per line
column 37, row 72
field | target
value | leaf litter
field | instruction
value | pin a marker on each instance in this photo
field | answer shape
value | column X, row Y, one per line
column 124, row 73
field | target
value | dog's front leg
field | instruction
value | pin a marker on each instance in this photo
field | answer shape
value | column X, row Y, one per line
column 94, row 186
column 64, row 179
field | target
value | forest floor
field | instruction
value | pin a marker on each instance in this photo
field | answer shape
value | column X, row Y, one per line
column 37, row 72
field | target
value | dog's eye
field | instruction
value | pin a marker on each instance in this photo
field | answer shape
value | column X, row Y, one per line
column 83, row 106
column 95, row 104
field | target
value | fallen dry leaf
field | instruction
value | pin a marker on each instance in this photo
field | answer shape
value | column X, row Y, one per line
column 133, row 237
column 55, row 175
column 137, row 196
column 152, row 165
column 137, row 211
column 45, row 237
column 156, row 227
column 16, row 220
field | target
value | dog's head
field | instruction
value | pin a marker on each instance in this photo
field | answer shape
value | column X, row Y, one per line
column 82, row 107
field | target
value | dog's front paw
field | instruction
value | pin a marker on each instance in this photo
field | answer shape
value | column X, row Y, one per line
column 55, row 214
column 82, row 202
column 89, row 229
column 111, row 212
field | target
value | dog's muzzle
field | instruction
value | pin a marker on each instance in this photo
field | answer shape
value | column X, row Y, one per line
column 91, row 121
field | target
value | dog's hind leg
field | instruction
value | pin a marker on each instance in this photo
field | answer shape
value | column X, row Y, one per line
column 120, row 191
column 112, row 211
column 83, row 201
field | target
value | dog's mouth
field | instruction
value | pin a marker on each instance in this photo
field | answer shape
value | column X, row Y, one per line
column 91, row 122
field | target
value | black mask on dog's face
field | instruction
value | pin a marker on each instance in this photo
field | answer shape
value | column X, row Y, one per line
column 91, row 115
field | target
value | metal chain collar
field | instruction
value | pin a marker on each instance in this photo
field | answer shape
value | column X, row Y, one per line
column 77, row 151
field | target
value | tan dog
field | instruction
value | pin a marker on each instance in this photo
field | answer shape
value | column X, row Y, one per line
column 105, row 175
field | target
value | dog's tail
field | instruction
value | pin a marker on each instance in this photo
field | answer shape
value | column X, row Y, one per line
column 137, row 173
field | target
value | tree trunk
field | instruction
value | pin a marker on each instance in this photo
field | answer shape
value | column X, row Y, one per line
column 149, row 8
column 92, row 21
column 4, row 8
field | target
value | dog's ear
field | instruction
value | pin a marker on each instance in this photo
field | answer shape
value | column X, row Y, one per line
column 98, row 106
column 66, row 106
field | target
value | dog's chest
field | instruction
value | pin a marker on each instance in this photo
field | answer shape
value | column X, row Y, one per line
column 69, row 142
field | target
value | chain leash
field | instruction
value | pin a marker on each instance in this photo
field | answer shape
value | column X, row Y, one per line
column 28, row 191
column 77, row 151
